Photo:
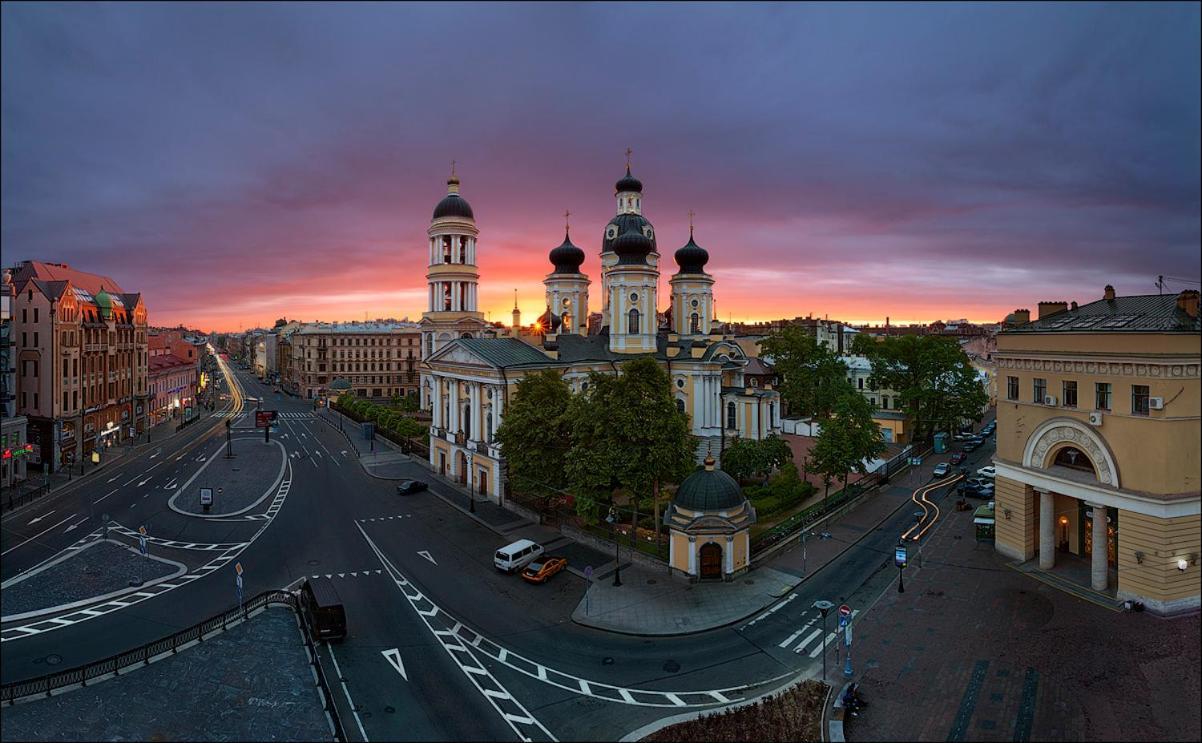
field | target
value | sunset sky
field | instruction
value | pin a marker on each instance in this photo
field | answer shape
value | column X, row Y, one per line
column 239, row 163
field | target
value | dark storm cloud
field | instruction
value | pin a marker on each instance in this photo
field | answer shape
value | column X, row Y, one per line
column 299, row 148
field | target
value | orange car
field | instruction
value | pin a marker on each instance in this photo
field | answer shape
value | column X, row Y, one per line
column 540, row 571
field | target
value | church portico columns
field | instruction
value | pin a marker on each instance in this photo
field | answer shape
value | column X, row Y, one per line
column 1098, row 568
column 1047, row 530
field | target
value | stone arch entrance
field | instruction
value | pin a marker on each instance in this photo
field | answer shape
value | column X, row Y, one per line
column 460, row 467
column 1057, row 434
column 710, row 556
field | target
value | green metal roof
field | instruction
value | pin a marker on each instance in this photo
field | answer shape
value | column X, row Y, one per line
column 505, row 352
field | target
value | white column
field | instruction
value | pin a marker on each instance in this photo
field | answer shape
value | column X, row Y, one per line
column 477, row 417
column 730, row 554
column 453, row 423
column 436, row 391
column 692, row 556
column 498, row 406
column 1098, row 563
column 1047, row 530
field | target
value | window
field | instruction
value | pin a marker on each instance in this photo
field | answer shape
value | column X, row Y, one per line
column 1041, row 389
column 35, row 338
column 680, row 404
column 695, row 323
column 730, row 415
column 35, row 314
column 1139, row 399
column 24, row 315
column 1102, row 395
column 634, row 322
column 1011, row 388
column 1070, row 394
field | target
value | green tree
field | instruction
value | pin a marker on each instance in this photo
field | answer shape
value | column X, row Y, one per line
column 628, row 432
column 746, row 458
column 936, row 381
column 847, row 440
column 811, row 375
column 863, row 344
column 535, row 433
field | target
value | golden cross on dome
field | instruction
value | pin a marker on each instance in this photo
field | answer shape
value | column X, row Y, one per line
column 452, row 168
column 691, row 215
column 566, row 223
column 629, row 152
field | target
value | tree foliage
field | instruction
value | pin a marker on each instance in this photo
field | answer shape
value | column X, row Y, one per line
column 934, row 377
column 535, row 433
column 747, row 458
column 812, row 377
column 847, row 441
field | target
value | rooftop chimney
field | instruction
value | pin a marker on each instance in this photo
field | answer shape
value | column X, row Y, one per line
column 1022, row 317
column 1187, row 302
column 1073, row 306
column 1047, row 309
column 1108, row 292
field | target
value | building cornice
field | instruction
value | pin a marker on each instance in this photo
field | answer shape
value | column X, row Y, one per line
column 1152, row 366
column 1166, row 506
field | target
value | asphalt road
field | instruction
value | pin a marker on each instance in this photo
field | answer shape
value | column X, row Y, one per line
column 543, row 677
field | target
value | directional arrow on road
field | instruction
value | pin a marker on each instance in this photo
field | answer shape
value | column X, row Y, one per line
column 39, row 518
column 72, row 526
column 144, row 481
column 393, row 657
column 426, row 555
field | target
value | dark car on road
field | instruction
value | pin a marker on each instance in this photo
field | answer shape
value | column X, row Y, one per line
column 957, row 457
column 409, row 487
column 970, row 445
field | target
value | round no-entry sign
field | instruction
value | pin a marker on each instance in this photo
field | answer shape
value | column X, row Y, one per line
column 845, row 611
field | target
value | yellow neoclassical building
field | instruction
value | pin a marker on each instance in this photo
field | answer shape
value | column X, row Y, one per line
column 469, row 373
column 1098, row 445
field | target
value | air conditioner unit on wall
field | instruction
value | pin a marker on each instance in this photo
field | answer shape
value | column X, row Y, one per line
column 1095, row 418
column 1049, row 399
column 1156, row 403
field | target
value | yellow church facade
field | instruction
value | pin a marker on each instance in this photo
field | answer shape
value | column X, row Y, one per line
column 470, row 372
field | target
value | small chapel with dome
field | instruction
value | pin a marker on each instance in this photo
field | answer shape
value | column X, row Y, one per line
column 470, row 369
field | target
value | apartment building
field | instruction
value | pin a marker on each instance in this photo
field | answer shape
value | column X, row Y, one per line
column 377, row 359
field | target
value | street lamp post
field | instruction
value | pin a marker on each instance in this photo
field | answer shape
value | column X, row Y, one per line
column 823, row 607
column 613, row 524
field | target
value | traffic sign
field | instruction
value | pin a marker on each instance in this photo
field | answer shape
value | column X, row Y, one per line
column 899, row 556
column 238, row 570
column 588, row 572
column 845, row 610
column 206, row 496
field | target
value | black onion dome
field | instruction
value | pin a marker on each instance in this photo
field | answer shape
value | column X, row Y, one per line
column 632, row 246
column 692, row 257
column 453, row 205
column 623, row 223
column 550, row 321
column 567, row 257
column 628, row 183
column 708, row 489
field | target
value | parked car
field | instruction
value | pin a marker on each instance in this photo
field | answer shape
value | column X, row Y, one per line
column 941, row 469
column 987, row 472
column 957, row 457
column 967, row 491
column 517, row 555
column 408, row 487
column 540, row 571
column 962, row 436
column 970, row 445
column 978, row 482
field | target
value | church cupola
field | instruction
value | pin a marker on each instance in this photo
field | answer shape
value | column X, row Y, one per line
column 452, row 278
column 567, row 288
column 692, row 290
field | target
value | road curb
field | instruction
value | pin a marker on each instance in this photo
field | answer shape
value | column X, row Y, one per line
column 212, row 458
column 653, row 727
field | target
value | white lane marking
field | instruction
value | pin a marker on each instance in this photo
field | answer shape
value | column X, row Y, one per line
column 39, row 518
column 824, row 644
column 106, row 495
column 171, row 485
column 426, row 554
column 114, row 477
column 40, row 533
column 771, row 611
column 393, row 656
column 801, row 629
column 72, row 527
column 152, row 456
column 801, row 646
column 349, row 701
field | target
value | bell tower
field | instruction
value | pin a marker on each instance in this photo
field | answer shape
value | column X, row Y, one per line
column 451, row 277
column 692, row 290
column 567, row 288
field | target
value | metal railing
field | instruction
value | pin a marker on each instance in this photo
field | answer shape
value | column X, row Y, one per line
column 144, row 655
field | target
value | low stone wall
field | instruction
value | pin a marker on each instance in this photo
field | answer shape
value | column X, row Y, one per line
column 627, row 552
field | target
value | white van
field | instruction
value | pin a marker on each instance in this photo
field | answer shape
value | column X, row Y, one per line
column 513, row 557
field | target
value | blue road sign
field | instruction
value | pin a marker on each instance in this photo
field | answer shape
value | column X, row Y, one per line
column 142, row 546
column 843, row 621
column 899, row 556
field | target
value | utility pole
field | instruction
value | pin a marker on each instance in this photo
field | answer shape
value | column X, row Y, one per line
column 823, row 607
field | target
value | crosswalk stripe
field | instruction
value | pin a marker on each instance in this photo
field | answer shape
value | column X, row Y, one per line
column 809, row 638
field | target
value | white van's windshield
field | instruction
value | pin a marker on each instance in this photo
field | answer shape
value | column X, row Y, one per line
column 502, row 556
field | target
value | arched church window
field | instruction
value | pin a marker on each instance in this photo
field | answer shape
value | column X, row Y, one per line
column 680, row 404
column 1073, row 458
column 695, row 323
column 566, row 320
column 634, row 322
column 730, row 415
column 467, row 421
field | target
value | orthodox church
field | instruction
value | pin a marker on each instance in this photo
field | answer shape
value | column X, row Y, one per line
column 470, row 370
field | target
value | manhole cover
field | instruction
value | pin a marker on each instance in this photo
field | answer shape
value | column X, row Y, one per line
column 607, row 661
column 749, row 581
column 671, row 666
column 651, row 581
column 315, row 562
column 54, row 659
column 390, row 709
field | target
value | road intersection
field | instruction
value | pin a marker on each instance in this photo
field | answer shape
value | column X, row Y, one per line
column 485, row 656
